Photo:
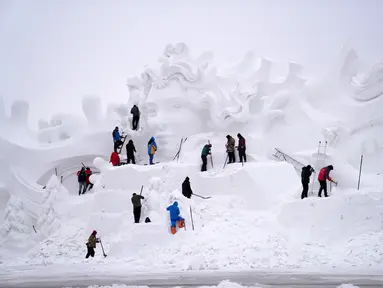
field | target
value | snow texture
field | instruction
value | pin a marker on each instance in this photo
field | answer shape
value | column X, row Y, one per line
column 254, row 218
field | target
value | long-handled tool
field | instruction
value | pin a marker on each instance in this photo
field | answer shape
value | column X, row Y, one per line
column 142, row 187
column 191, row 217
column 208, row 197
column 211, row 157
column 102, row 247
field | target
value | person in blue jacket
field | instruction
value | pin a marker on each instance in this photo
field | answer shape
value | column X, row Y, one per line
column 175, row 217
column 116, row 139
column 152, row 148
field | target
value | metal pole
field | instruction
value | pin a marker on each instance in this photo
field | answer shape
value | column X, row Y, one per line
column 360, row 169
column 191, row 217
column 56, row 171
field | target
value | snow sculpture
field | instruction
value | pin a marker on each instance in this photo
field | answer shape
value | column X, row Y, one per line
column 60, row 127
column 91, row 106
column 186, row 96
column 49, row 221
column 19, row 113
column 16, row 219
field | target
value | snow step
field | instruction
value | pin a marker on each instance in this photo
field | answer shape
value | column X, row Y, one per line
column 281, row 156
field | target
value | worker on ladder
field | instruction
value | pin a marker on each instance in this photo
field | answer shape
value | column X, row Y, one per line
column 116, row 139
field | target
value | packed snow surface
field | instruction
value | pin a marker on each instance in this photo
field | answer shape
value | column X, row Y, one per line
column 255, row 218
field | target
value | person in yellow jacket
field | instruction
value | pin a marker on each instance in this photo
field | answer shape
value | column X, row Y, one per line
column 152, row 148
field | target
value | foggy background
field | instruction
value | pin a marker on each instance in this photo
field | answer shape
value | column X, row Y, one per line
column 54, row 52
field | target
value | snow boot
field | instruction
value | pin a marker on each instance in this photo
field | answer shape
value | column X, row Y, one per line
column 173, row 229
column 181, row 224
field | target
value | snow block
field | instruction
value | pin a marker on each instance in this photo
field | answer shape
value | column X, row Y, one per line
column 262, row 184
column 333, row 219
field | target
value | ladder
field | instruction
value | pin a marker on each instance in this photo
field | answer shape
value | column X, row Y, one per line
column 320, row 162
column 281, row 156
column 119, row 149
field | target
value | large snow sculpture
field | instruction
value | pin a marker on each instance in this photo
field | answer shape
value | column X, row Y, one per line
column 186, row 96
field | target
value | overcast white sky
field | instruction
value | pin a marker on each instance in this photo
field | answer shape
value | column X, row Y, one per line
column 53, row 52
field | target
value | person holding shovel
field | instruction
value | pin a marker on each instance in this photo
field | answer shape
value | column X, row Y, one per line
column 91, row 244
column 186, row 188
column 136, row 201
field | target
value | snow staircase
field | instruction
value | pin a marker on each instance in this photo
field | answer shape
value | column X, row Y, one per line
column 281, row 156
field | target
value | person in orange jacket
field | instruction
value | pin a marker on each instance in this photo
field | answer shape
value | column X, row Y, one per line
column 324, row 174
column 115, row 159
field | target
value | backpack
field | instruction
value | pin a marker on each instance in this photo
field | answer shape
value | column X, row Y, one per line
column 147, row 220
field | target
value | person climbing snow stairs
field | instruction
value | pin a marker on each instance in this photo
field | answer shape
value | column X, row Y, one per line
column 175, row 217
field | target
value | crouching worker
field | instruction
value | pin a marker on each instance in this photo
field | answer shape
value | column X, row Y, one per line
column 186, row 188
column 91, row 245
column 175, row 217
column 115, row 159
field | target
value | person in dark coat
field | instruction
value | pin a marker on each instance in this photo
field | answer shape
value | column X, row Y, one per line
column 136, row 116
column 186, row 188
column 230, row 149
column 81, row 178
column 130, row 150
column 205, row 151
column 91, row 244
column 241, row 148
column 305, row 178
column 136, row 201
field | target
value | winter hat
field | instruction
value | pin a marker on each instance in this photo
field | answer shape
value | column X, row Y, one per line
column 330, row 167
column 94, row 232
column 116, row 128
column 239, row 135
column 228, row 136
column 175, row 203
column 309, row 166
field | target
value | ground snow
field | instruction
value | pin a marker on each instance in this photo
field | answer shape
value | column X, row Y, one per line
column 223, row 284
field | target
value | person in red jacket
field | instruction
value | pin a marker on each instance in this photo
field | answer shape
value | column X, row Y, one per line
column 89, row 185
column 115, row 159
column 324, row 174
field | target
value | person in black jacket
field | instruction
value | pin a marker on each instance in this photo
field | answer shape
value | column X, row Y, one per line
column 186, row 188
column 81, row 178
column 305, row 175
column 130, row 149
column 136, row 116
column 136, row 201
